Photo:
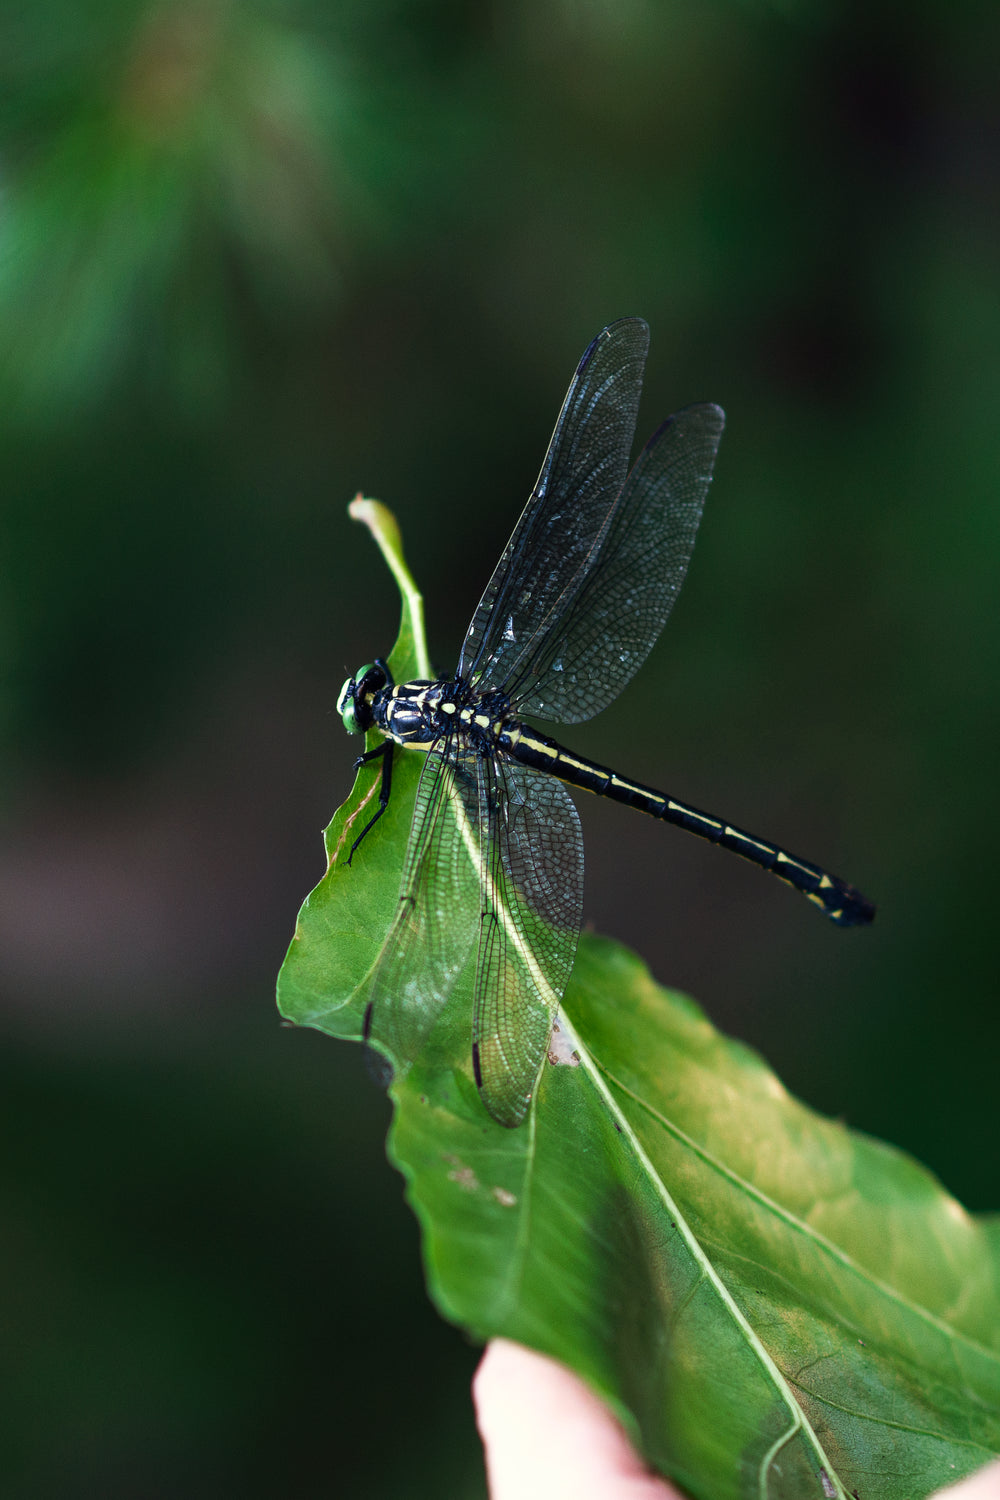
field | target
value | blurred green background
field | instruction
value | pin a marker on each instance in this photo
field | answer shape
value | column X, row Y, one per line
column 255, row 257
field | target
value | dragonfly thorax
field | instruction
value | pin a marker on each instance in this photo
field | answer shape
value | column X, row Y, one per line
column 421, row 713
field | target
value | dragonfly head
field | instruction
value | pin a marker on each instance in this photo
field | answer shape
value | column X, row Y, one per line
column 354, row 703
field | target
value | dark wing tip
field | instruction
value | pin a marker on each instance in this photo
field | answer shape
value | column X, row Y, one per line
column 703, row 422
column 621, row 328
column 710, row 413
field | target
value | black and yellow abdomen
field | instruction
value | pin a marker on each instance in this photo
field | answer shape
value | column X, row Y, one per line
column 841, row 902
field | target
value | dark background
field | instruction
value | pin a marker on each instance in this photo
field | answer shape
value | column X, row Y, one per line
column 255, row 257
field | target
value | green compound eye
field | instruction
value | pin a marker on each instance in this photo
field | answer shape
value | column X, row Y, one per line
column 347, row 706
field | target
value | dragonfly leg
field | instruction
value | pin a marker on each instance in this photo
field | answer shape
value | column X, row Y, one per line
column 362, row 760
column 385, row 751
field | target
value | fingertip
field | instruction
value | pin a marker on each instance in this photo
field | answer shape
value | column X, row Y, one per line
column 983, row 1485
column 547, row 1436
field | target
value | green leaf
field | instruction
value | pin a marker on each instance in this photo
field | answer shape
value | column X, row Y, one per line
column 344, row 920
column 775, row 1305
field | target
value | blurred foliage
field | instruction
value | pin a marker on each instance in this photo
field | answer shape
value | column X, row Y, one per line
column 255, row 257
column 219, row 166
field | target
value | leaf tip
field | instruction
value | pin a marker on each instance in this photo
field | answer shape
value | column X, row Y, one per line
column 380, row 522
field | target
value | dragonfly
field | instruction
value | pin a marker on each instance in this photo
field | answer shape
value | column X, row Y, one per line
column 493, row 872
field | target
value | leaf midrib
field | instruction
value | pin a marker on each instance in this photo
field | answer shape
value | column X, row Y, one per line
column 798, row 1225
column 798, row 1419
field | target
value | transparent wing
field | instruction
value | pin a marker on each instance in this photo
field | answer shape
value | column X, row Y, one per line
column 435, row 927
column 547, row 558
column 532, row 911
column 581, row 665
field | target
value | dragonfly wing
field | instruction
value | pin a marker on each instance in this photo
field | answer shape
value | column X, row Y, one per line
column 549, row 553
column 582, row 665
column 532, row 911
column 435, row 926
